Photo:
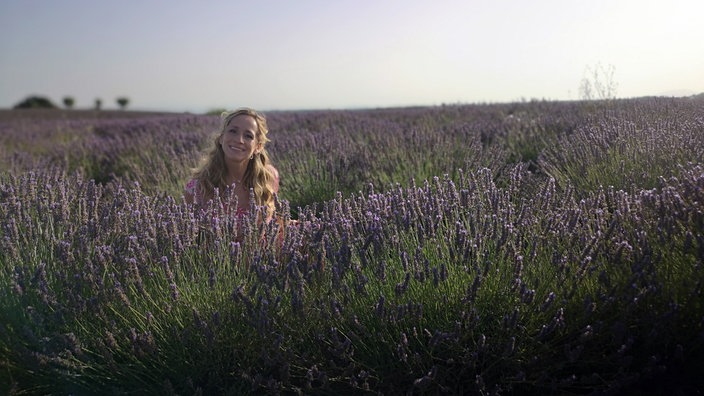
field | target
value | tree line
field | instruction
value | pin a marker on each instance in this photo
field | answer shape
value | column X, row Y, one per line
column 41, row 102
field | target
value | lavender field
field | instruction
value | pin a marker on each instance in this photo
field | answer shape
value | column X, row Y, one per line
column 524, row 248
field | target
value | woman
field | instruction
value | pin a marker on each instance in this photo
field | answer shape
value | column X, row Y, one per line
column 237, row 160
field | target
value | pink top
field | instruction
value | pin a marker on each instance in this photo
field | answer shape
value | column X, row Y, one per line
column 192, row 189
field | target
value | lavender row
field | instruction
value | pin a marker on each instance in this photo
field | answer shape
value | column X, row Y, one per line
column 450, row 284
column 625, row 143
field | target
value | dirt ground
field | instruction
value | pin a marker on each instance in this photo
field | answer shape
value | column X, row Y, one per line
column 51, row 114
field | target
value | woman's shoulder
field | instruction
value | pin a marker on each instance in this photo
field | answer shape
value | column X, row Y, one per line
column 274, row 172
column 271, row 168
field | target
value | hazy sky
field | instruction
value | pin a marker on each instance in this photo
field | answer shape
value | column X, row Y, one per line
column 320, row 54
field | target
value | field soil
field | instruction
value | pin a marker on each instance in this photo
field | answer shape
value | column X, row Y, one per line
column 58, row 114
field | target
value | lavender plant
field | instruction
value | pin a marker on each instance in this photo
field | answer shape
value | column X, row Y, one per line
column 489, row 278
column 628, row 146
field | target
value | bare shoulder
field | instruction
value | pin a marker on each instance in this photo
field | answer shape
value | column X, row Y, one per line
column 275, row 173
column 273, row 170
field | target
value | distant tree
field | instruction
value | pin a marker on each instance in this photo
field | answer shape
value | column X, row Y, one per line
column 98, row 103
column 35, row 102
column 598, row 83
column 123, row 102
column 68, row 102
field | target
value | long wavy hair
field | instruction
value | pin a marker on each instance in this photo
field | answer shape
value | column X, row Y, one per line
column 212, row 171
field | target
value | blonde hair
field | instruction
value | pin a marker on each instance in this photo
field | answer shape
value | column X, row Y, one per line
column 212, row 172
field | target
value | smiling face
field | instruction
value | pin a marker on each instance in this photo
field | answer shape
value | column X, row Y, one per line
column 239, row 139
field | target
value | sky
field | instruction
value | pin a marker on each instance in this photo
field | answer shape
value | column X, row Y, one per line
column 196, row 56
